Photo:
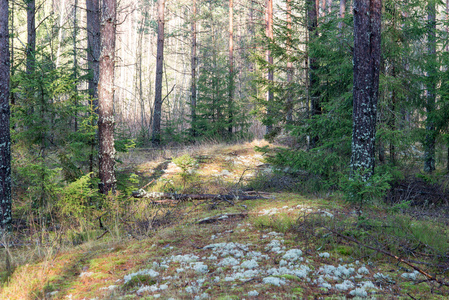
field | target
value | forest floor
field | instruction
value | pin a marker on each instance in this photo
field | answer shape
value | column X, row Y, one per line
column 283, row 246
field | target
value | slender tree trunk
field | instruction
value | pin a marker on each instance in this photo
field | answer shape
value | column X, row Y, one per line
column 289, row 116
column 314, row 95
column 342, row 12
column 270, row 74
column 429, row 143
column 194, row 59
column 231, row 65
column 31, row 40
column 75, row 64
column 106, row 97
column 367, row 19
column 156, row 135
column 5, row 138
column 93, row 48
column 93, row 62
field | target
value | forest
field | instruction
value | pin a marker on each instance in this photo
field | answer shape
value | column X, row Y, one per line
column 224, row 149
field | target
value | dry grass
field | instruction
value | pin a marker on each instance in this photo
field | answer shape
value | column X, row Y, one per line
column 299, row 221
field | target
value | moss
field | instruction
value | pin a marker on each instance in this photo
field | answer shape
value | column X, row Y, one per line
column 297, row 291
column 344, row 250
column 138, row 280
column 291, row 277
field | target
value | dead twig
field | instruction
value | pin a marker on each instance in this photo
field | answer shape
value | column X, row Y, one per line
column 399, row 259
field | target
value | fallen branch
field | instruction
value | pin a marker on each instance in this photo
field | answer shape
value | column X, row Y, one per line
column 221, row 218
column 428, row 276
column 156, row 195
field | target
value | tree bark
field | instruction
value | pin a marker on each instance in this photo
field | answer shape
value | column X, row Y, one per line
column 75, row 64
column 5, row 138
column 194, row 59
column 429, row 143
column 157, row 111
column 93, row 48
column 31, row 38
column 289, row 116
column 367, row 30
column 342, row 12
column 106, row 98
column 314, row 96
column 231, row 64
column 270, row 74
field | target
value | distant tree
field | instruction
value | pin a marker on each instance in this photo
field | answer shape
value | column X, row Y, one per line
column 5, row 139
column 193, row 64
column 431, row 86
column 270, row 73
column 93, row 47
column 367, row 20
column 31, row 33
column 157, row 111
column 106, row 97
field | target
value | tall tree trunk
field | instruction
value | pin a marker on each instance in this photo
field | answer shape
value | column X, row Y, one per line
column 314, row 96
column 429, row 143
column 270, row 74
column 106, row 97
column 31, row 40
column 93, row 48
column 93, row 62
column 231, row 65
column 5, row 139
column 289, row 116
column 75, row 64
column 367, row 20
column 156, row 135
column 342, row 12
column 194, row 59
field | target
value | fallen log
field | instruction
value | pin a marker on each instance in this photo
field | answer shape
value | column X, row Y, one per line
column 157, row 195
column 223, row 217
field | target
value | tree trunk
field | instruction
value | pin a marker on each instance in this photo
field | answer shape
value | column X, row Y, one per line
column 342, row 12
column 367, row 20
column 231, row 65
column 314, row 96
column 75, row 65
column 289, row 116
column 93, row 62
column 106, row 97
column 156, row 135
column 5, row 138
column 31, row 40
column 429, row 143
column 270, row 75
column 194, row 59
column 93, row 48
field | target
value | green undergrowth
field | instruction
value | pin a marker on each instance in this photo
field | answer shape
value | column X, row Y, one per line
column 138, row 233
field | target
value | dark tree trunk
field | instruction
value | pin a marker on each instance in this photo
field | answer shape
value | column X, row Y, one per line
column 5, row 139
column 93, row 61
column 93, row 48
column 312, row 25
column 194, row 59
column 106, row 97
column 431, row 133
column 31, row 40
column 270, row 74
column 289, row 109
column 157, row 111
column 231, row 65
column 367, row 30
column 75, row 64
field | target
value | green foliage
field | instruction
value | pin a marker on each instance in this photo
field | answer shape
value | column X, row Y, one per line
column 359, row 190
column 78, row 201
column 188, row 165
